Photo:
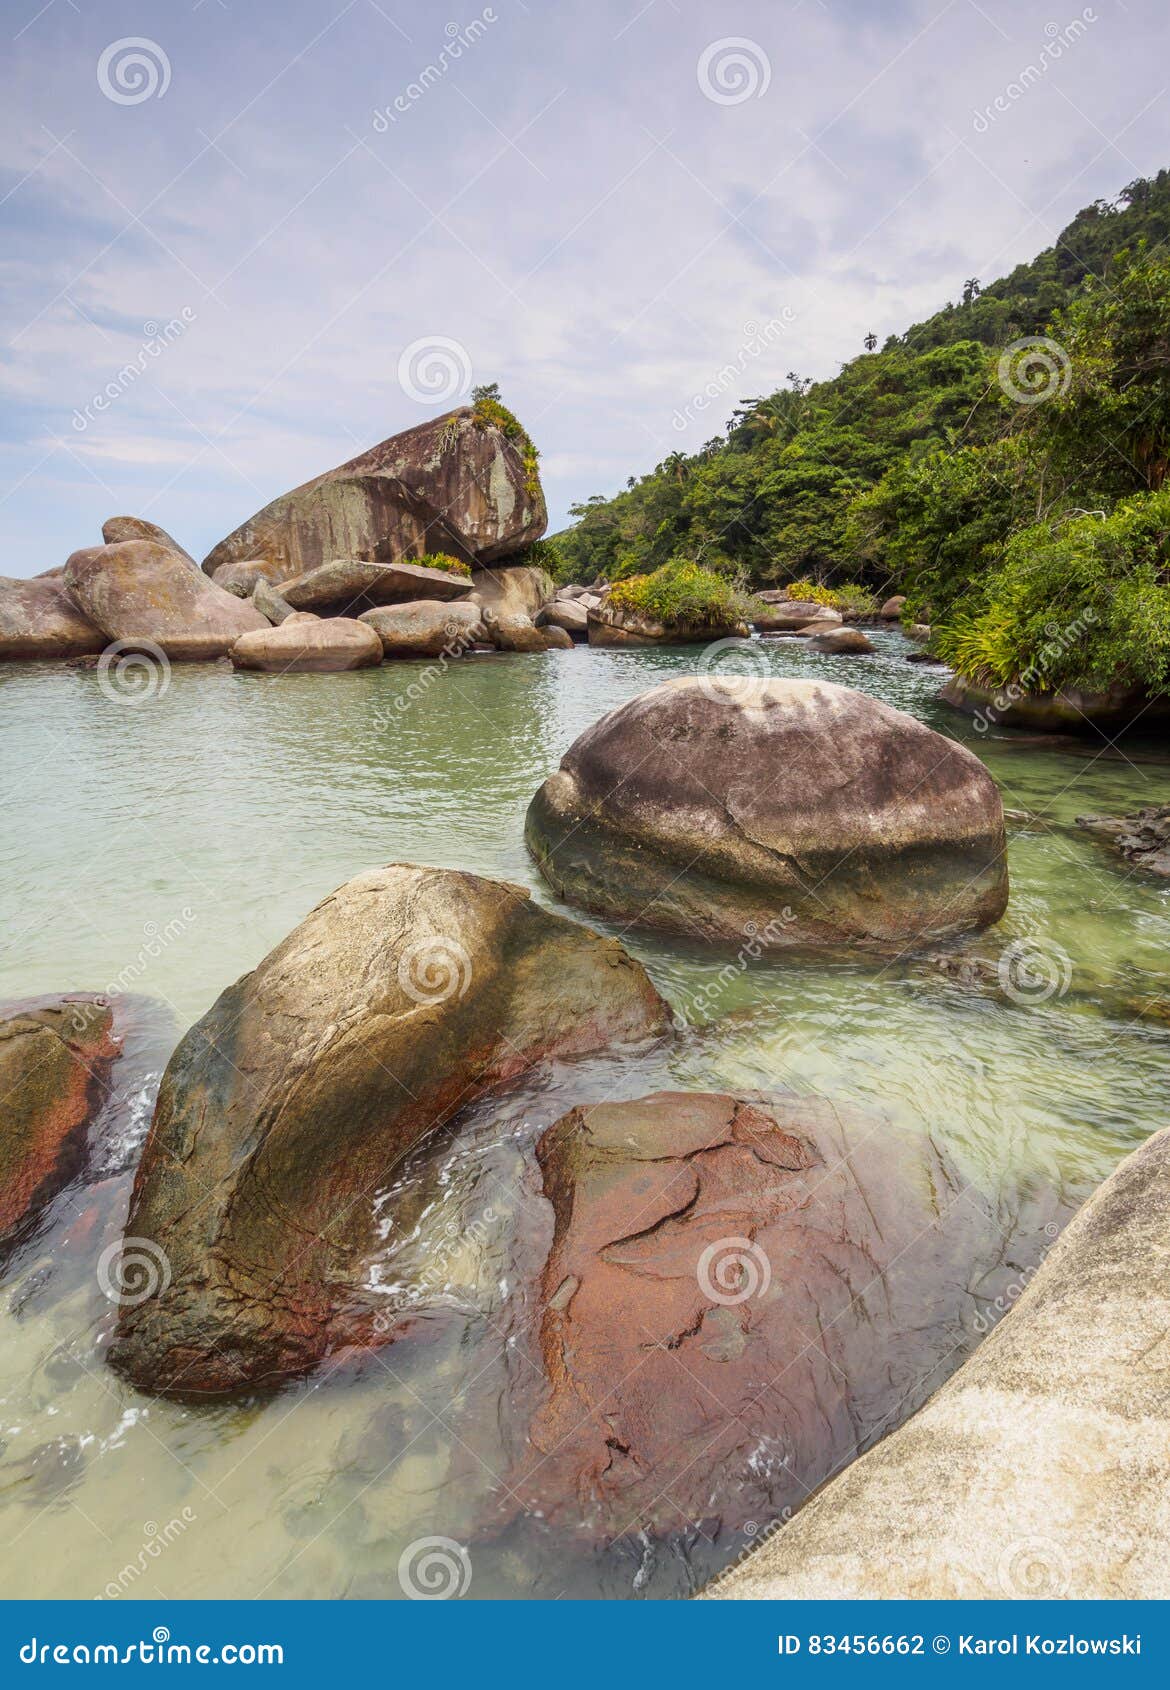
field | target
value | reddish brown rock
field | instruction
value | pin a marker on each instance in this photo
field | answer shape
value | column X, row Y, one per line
column 55, row 1060
column 740, row 1297
column 115, row 529
column 427, row 628
column 140, row 591
column 241, row 578
column 397, row 1003
column 719, row 808
column 452, row 485
column 38, row 618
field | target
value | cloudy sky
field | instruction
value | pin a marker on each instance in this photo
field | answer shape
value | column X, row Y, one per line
column 245, row 239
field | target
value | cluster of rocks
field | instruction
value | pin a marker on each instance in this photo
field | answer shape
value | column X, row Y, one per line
column 330, row 576
column 1142, row 839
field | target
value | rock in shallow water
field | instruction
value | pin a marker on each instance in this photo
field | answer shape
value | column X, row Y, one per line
column 426, row 628
column 1142, row 839
column 284, row 1112
column 740, row 1296
column 140, row 591
column 38, row 619
column 1042, row 1468
column 311, row 646
column 346, row 587
column 712, row 807
column 55, row 1060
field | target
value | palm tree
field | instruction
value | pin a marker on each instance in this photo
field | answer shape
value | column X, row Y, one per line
column 870, row 341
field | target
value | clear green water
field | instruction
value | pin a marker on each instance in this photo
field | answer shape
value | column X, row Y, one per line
column 164, row 847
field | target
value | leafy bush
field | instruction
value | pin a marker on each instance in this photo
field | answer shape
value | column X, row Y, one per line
column 858, row 600
column 444, row 560
column 682, row 591
column 490, row 412
column 1079, row 602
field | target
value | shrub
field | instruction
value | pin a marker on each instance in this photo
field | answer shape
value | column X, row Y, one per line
column 444, row 560
column 851, row 597
column 683, row 591
column 489, row 412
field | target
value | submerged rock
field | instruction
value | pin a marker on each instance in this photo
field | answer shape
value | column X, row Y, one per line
column 115, row 529
column 426, row 628
column 347, row 587
column 740, row 1296
column 138, row 590
column 308, row 646
column 1041, row 1468
column 714, row 807
column 401, row 999
column 38, row 619
column 55, row 1060
column 453, row 484
column 1142, row 839
column 842, row 642
column 1068, row 710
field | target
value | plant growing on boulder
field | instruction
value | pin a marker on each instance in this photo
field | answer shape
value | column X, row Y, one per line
column 489, row 412
column 683, row 591
column 444, row 560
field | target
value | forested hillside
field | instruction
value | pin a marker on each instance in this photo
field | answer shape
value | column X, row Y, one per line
column 1002, row 464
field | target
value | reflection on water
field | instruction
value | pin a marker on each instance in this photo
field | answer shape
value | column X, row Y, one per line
column 164, row 847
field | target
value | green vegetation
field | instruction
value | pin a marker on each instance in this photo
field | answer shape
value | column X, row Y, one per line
column 852, row 597
column 444, row 560
column 683, row 592
column 490, row 412
column 1001, row 464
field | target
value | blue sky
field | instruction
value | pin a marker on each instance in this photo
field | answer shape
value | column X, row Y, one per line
column 264, row 236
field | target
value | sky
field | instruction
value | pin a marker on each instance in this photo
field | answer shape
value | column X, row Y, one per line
column 244, row 240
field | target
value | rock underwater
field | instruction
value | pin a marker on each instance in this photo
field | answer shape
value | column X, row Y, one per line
column 455, row 484
column 401, row 999
column 720, row 808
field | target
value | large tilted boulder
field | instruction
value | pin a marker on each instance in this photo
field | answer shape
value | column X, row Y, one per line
column 55, row 1059
column 115, row 529
column 739, row 1295
column 348, row 587
column 712, row 807
column 1075, row 710
column 1042, row 1468
column 271, row 604
column 308, row 646
column 138, row 590
column 38, row 618
column 400, row 1000
column 454, row 484
column 427, row 628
